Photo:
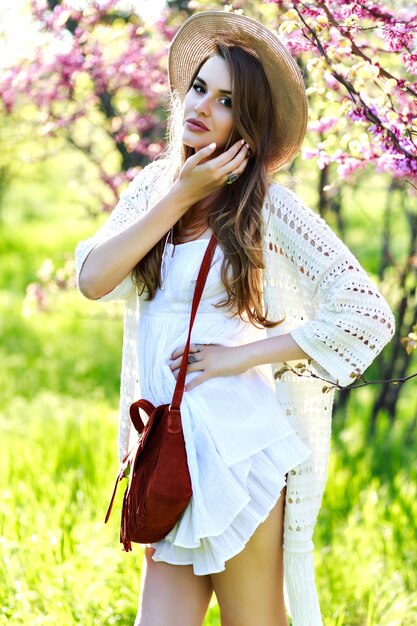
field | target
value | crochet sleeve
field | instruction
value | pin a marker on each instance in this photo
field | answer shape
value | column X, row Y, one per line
column 132, row 204
column 353, row 321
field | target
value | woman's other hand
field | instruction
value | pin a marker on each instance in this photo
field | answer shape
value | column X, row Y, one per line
column 216, row 360
column 212, row 360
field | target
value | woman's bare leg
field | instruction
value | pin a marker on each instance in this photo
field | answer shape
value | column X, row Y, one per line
column 172, row 595
column 250, row 589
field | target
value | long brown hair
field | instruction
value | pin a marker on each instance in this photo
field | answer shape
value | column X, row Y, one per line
column 236, row 216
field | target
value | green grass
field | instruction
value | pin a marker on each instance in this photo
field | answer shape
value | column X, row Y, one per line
column 368, row 531
column 58, row 403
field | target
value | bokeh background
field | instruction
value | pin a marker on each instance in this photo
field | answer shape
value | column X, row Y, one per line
column 83, row 101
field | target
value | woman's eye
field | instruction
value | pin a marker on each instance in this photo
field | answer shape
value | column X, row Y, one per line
column 226, row 101
column 198, row 88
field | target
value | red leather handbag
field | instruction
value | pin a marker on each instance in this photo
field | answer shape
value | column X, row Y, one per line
column 159, row 486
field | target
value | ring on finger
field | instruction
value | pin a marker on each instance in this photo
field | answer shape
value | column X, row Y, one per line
column 191, row 359
column 231, row 178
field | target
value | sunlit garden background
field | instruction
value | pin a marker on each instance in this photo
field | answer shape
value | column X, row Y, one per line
column 82, row 111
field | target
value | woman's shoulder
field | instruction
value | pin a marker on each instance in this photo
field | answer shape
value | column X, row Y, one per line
column 295, row 224
column 283, row 196
column 285, row 204
column 145, row 186
column 149, row 173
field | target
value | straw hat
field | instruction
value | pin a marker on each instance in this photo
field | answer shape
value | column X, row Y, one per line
column 196, row 40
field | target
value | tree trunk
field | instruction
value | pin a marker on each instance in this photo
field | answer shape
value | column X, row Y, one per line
column 398, row 361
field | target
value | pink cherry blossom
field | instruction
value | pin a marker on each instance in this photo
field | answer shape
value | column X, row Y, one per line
column 368, row 69
column 365, row 76
column 115, row 91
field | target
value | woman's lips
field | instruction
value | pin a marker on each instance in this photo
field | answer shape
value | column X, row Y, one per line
column 196, row 126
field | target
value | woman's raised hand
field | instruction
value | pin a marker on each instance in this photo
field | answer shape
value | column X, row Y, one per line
column 201, row 175
column 112, row 260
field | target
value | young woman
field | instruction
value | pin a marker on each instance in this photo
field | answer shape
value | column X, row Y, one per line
column 282, row 288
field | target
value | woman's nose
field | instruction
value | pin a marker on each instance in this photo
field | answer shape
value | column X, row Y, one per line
column 203, row 106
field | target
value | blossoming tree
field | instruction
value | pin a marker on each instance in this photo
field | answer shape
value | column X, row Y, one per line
column 98, row 82
column 360, row 60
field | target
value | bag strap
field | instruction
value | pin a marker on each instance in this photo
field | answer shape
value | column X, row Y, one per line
column 198, row 292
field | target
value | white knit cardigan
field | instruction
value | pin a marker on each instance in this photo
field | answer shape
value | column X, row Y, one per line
column 332, row 310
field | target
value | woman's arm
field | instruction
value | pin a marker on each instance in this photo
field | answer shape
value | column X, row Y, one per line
column 344, row 320
column 215, row 360
column 111, row 260
column 272, row 350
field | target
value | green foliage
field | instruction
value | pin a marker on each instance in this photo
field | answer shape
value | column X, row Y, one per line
column 58, row 405
column 60, row 560
column 368, row 526
column 63, row 566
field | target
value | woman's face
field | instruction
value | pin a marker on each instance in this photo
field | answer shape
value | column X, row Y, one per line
column 208, row 114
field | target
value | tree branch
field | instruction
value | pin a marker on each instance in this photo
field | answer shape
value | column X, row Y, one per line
column 353, row 93
column 302, row 369
column 358, row 51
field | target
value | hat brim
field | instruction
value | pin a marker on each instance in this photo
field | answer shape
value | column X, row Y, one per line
column 195, row 41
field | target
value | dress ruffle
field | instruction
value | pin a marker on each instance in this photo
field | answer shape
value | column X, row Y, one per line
column 228, row 503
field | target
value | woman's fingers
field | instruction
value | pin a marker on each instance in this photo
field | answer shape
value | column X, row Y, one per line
column 196, row 366
column 237, row 169
column 220, row 161
column 178, row 352
column 223, row 159
column 214, row 360
column 196, row 381
column 176, row 358
column 230, row 161
column 237, row 164
column 202, row 154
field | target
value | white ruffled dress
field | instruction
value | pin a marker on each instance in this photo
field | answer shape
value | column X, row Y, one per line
column 239, row 444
